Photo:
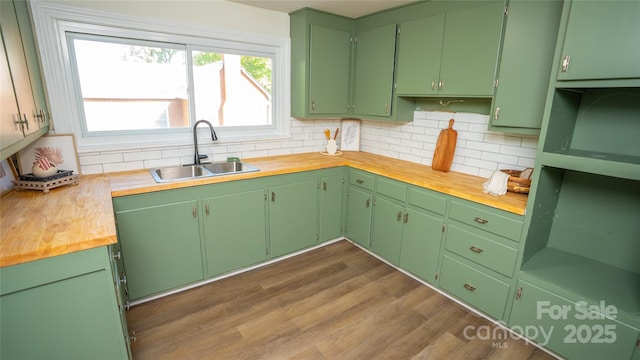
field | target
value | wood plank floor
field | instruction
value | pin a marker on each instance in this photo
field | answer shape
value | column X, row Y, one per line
column 336, row 302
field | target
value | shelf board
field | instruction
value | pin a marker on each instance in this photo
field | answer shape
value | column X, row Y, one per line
column 621, row 166
column 578, row 278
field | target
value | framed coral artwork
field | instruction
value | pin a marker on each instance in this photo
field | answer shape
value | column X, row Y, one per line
column 58, row 150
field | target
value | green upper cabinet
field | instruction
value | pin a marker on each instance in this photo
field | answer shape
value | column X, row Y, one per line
column 526, row 60
column 419, row 53
column 320, row 64
column 452, row 53
column 374, row 68
column 24, row 110
column 470, row 50
column 602, row 41
column 234, row 231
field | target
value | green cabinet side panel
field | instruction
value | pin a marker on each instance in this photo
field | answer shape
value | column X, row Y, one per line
column 470, row 50
column 359, row 212
column 234, row 231
column 421, row 244
column 331, row 200
column 602, row 40
column 293, row 216
column 161, row 247
column 330, row 54
column 374, row 69
column 573, row 334
column 386, row 236
column 525, row 64
column 419, row 54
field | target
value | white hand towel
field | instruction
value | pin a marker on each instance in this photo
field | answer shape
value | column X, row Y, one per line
column 497, row 184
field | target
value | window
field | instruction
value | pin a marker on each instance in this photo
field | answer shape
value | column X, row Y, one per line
column 119, row 83
column 147, row 85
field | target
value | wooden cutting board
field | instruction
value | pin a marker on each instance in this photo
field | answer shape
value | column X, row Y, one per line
column 446, row 146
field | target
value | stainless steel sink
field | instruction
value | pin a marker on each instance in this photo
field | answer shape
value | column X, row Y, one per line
column 187, row 172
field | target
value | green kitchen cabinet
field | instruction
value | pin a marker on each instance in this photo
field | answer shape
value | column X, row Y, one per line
column 119, row 284
column 331, row 204
column 320, row 64
column 62, row 307
column 386, row 233
column 422, row 233
column 24, row 107
column 160, row 245
column 293, row 216
column 573, row 329
column 234, row 231
column 419, row 55
column 360, row 207
column 451, row 54
column 374, row 70
column 602, row 41
column 526, row 59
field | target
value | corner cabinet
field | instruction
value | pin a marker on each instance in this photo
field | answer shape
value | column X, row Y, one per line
column 321, row 46
column 63, row 307
column 525, row 64
column 582, row 245
column 24, row 107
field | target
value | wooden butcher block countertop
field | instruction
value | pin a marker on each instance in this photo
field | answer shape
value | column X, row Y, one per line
column 71, row 218
column 452, row 183
column 37, row 225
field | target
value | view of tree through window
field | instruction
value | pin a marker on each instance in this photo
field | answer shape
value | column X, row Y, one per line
column 134, row 85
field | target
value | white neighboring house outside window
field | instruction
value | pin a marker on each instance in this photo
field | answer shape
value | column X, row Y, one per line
column 123, row 83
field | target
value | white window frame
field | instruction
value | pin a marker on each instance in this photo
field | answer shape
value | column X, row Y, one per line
column 52, row 21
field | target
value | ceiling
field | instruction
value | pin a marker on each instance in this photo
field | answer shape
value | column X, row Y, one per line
column 349, row 8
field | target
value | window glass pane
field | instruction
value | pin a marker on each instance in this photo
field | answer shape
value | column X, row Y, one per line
column 127, row 86
column 232, row 90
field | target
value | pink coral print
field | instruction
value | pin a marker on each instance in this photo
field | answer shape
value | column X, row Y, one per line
column 52, row 155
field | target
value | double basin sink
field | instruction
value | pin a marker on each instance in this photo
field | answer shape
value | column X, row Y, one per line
column 187, row 172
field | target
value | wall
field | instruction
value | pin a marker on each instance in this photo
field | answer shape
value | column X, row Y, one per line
column 478, row 152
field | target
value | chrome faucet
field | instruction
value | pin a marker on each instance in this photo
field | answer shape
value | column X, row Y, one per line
column 197, row 157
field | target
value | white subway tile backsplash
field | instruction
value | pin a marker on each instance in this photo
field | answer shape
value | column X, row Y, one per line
column 478, row 151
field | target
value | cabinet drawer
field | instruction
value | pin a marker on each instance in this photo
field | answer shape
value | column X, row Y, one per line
column 362, row 179
column 427, row 200
column 487, row 219
column 474, row 287
column 481, row 250
column 391, row 188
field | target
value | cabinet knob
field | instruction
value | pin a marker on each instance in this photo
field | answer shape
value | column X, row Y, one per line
column 313, row 105
column 399, row 215
column 359, row 181
column 440, row 85
column 117, row 255
column 469, row 287
column 406, row 218
column 476, row 249
column 433, row 84
column 565, row 63
column 480, row 220
column 367, row 203
column 496, row 113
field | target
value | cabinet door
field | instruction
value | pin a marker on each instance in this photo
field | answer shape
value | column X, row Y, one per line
column 386, row 234
column 375, row 56
column 569, row 328
column 421, row 244
column 470, row 50
column 602, row 41
column 293, row 217
column 234, row 231
column 419, row 52
column 360, row 206
column 331, row 195
column 525, row 65
column 18, row 66
column 11, row 132
column 160, row 247
column 329, row 59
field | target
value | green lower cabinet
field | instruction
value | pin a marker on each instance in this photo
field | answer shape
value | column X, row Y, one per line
column 161, row 247
column 293, row 216
column 331, row 200
column 483, row 291
column 234, row 231
column 386, row 234
column 421, row 244
column 62, row 307
column 359, row 213
column 573, row 329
